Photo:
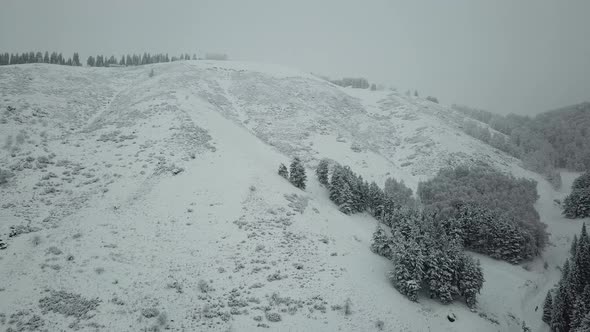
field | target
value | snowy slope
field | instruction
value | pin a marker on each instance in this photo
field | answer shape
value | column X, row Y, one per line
column 161, row 193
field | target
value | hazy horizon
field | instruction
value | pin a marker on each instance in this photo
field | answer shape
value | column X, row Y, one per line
column 522, row 57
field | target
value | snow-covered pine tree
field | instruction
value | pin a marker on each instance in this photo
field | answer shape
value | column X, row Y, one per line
column 560, row 314
column 580, row 308
column 408, row 266
column 581, row 182
column 297, row 174
column 574, row 245
column 577, row 204
column 346, row 205
column 470, row 279
column 547, row 308
column 381, row 244
column 375, row 200
column 283, row 171
column 322, row 172
column 585, row 325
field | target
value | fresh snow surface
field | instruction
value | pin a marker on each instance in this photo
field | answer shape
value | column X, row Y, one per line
column 159, row 196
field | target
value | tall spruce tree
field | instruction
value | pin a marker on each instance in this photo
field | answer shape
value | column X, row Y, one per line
column 322, row 172
column 547, row 308
column 297, row 174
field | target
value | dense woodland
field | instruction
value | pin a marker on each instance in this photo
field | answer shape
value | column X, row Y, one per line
column 550, row 140
column 495, row 203
column 577, row 203
column 567, row 306
column 475, row 208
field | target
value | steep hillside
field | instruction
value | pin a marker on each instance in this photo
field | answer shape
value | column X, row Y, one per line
column 141, row 202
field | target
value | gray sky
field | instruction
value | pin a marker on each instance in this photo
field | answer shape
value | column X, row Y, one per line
column 522, row 56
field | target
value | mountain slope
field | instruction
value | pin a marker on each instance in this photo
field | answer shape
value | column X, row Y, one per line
column 161, row 193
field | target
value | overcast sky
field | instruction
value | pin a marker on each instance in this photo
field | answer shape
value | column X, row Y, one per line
column 522, row 56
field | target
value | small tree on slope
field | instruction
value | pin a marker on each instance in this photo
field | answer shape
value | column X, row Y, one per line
column 547, row 307
column 322, row 172
column 283, row 171
column 297, row 174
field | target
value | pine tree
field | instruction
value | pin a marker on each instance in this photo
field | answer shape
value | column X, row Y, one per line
column 585, row 325
column 577, row 204
column 76, row 59
column 381, row 244
column 581, row 182
column 574, row 245
column 471, row 280
column 547, row 308
column 297, row 174
column 90, row 62
column 375, row 200
column 408, row 265
column 580, row 308
column 283, row 171
column 322, row 172
column 46, row 57
column 346, row 204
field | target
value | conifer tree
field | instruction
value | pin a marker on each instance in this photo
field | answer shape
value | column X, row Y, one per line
column 547, row 308
column 322, row 172
column 297, row 174
column 381, row 244
column 283, row 171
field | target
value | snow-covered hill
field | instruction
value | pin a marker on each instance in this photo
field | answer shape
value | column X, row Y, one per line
column 142, row 202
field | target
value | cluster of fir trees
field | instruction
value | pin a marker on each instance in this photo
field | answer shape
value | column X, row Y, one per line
column 135, row 59
column 296, row 175
column 499, row 207
column 352, row 194
column 577, row 203
column 567, row 307
column 39, row 57
column 427, row 254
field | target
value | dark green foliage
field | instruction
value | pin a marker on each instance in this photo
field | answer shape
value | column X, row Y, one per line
column 283, row 171
column 382, row 243
column 504, row 205
column 297, row 173
column 547, row 308
column 398, row 192
column 577, row 203
column 427, row 253
column 493, row 234
column 582, row 181
column 555, row 139
column 571, row 302
column 322, row 172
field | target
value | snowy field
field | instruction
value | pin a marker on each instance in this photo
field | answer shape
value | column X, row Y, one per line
column 152, row 203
